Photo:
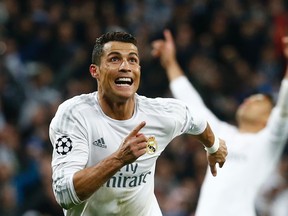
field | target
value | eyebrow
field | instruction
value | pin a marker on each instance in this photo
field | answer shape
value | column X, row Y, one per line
column 118, row 53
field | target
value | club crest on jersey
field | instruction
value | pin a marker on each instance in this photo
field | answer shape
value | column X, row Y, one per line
column 63, row 145
column 151, row 145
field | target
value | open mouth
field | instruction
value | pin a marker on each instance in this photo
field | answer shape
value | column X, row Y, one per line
column 123, row 81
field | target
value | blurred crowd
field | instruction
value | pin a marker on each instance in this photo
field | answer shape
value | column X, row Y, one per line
column 228, row 48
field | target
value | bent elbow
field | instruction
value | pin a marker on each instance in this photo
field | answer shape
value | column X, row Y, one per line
column 65, row 194
column 66, row 205
column 65, row 199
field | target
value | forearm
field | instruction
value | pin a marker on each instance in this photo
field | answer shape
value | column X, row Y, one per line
column 207, row 138
column 182, row 89
column 282, row 102
column 173, row 70
column 72, row 183
column 90, row 179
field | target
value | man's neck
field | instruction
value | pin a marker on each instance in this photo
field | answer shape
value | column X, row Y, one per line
column 118, row 110
column 249, row 128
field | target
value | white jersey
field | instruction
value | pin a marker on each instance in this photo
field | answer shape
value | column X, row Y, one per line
column 82, row 135
column 251, row 158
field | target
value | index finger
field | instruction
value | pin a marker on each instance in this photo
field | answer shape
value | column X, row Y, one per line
column 168, row 36
column 213, row 169
column 135, row 131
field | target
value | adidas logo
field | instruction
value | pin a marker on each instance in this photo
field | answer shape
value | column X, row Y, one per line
column 100, row 143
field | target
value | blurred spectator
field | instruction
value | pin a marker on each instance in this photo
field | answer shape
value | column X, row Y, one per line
column 44, row 59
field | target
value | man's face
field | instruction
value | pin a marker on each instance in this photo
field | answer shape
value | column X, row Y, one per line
column 119, row 72
column 255, row 108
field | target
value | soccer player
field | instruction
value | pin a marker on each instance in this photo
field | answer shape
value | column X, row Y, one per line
column 255, row 144
column 106, row 143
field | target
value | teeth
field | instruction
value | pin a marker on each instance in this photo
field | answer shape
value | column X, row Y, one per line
column 124, row 79
column 123, row 85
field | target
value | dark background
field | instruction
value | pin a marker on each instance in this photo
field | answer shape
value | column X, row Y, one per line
column 229, row 49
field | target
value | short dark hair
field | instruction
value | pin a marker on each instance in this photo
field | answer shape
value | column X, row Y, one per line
column 107, row 37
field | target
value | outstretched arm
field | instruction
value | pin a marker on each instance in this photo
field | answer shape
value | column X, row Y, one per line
column 180, row 86
column 165, row 50
column 282, row 102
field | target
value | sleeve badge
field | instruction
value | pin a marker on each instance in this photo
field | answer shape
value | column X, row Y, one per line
column 63, row 145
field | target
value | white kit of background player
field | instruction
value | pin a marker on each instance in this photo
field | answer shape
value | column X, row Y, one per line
column 251, row 158
column 255, row 145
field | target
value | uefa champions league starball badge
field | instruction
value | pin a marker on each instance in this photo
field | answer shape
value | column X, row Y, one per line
column 151, row 145
column 63, row 145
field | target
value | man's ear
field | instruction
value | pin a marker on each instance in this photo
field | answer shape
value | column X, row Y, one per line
column 94, row 71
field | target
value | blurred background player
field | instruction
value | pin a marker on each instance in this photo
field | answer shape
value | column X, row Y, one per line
column 255, row 144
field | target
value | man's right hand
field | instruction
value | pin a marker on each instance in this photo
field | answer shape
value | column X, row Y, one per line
column 133, row 146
